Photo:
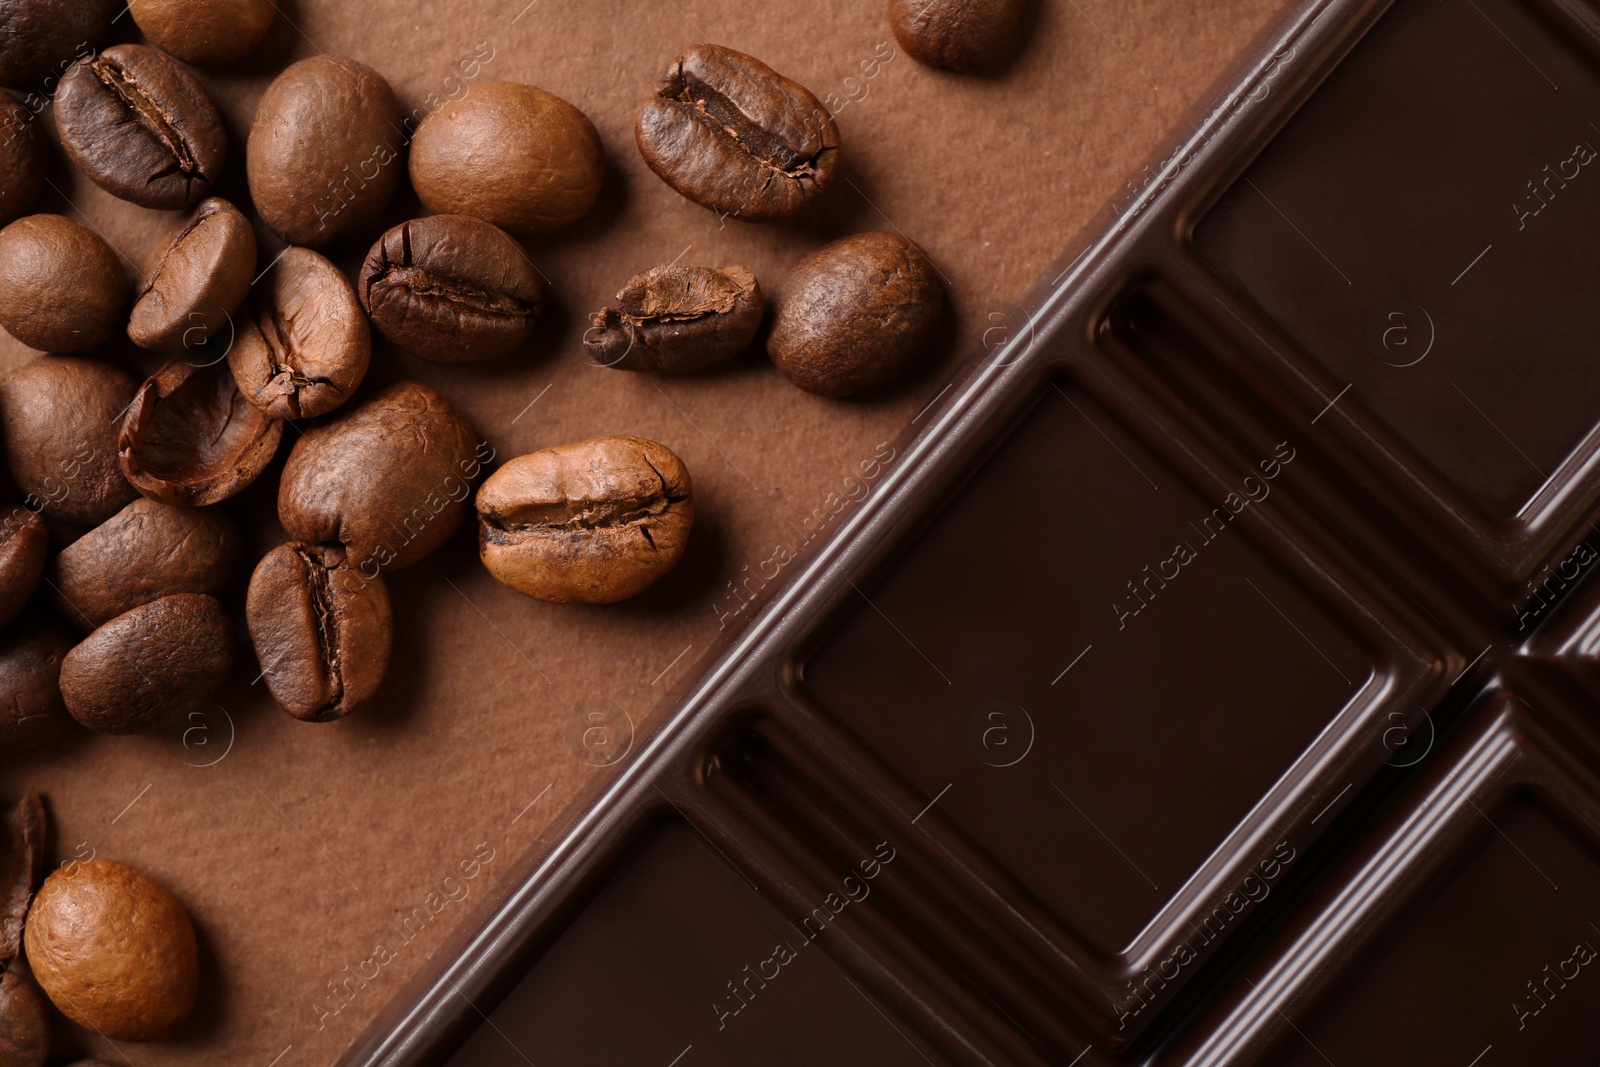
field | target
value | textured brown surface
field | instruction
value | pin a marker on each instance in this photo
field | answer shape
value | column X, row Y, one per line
column 304, row 848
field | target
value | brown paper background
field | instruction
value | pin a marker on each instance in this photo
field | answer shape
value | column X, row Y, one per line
column 298, row 849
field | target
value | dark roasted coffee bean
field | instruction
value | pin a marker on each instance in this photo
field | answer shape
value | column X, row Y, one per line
column 61, row 287
column 198, row 283
column 854, row 313
column 677, row 319
column 58, row 421
column 389, row 479
column 191, row 438
column 141, row 127
column 40, row 39
column 210, row 32
column 22, row 839
column 450, row 289
column 302, row 344
column 962, row 35
column 147, row 551
column 22, row 161
column 146, row 668
column 31, row 711
column 510, row 154
column 323, row 157
column 24, row 544
column 322, row 631
column 595, row 522
column 731, row 134
column 24, row 1022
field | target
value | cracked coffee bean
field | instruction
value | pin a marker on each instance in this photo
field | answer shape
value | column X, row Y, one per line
column 24, row 1023
column 40, row 39
column 389, row 479
column 323, row 152
column 855, row 313
column 210, row 33
column 147, row 551
column 147, row 668
column 733, row 135
column 141, row 127
column 322, row 631
column 191, row 438
column 676, row 319
column 960, row 35
column 22, row 161
column 513, row 155
column 31, row 710
column 198, row 283
column 21, row 868
column 61, row 287
column 302, row 343
column 595, row 522
column 24, row 544
column 450, row 289
column 58, row 422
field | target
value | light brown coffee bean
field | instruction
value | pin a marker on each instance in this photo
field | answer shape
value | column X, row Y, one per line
column 24, row 544
column 198, row 283
column 677, row 319
column 58, row 419
column 61, row 286
column 211, row 32
column 960, row 35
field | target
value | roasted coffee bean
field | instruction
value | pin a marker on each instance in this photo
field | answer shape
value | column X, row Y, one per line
column 22, row 161
column 211, row 32
column 191, row 438
column 595, row 522
column 147, row 551
column 321, row 629
column 24, row 1023
column 141, row 127
column 31, row 711
column 390, row 479
column 146, row 668
column 58, row 420
column 324, row 150
column 510, row 154
column 24, row 544
column 854, row 313
column 962, row 35
column 61, row 287
column 114, row 951
column 198, row 283
column 732, row 134
column 677, row 319
column 22, row 836
column 302, row 344
column 450, row 289
column 40, row 39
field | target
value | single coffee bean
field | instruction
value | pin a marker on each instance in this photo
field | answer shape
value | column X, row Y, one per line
column 24, row 1023
column 595, row 522
column 677, row 319
column 854, row 313
column 732, row 134
column 389, row 479
column 513, row 155
column 324, row 149
column 191, row 438
column 322, row 630
column 302, row 344
column 147, row 551
column 114, row 951
column 199, row 281
column 61, row 287
column 22, row 837
column 22, row 161
column 210, row 33
column 58, row 423
column 146, row 668
column 450, row 289
column 141, row 127
column 961, row 35
column 32, row 713
column 24, row 544
column 40, row 39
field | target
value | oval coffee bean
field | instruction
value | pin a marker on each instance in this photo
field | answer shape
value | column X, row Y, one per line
column 141, row 127
column 211, row 32
column 302, row 344
column 450, row 289
column 199, row 281
column 676, row 319
column 323, row 150
column 388, row 479
column 22, row 161
column 322, row 631
column 961, row 35
column 854, row 313
column 61, row 287
column 146, row 668
column 594, row 522
column 31, row 710
column 191, row 438
column 58, row 424
column 24, row 544
column 40, row 39
column 731, row 134
column 513, row 155
column 24, row 1022
column 147, row 551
